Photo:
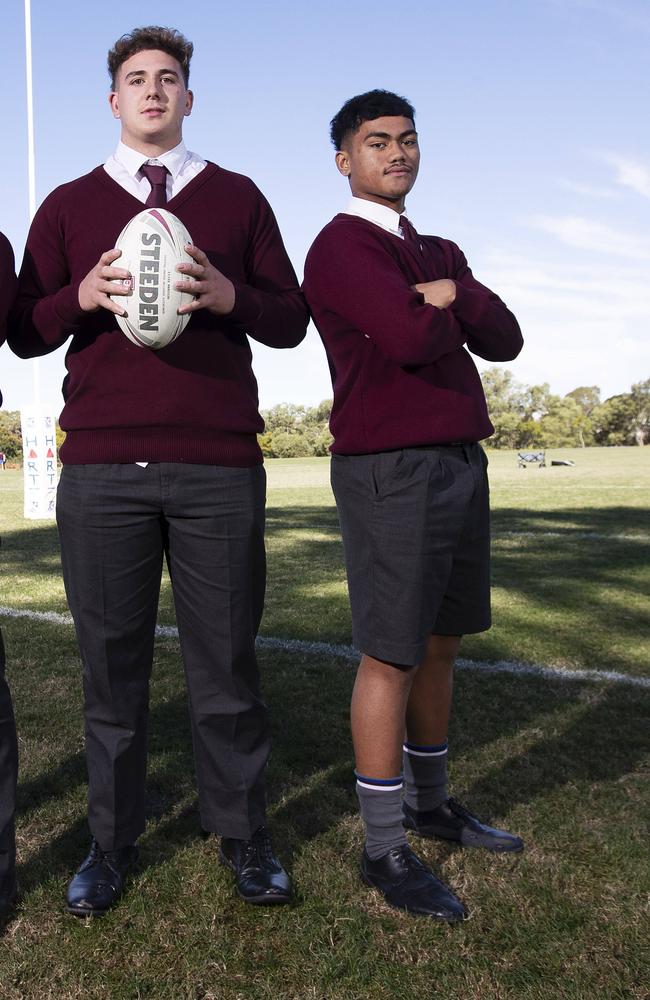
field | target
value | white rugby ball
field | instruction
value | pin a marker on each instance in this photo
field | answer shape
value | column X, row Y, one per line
column 152, row 244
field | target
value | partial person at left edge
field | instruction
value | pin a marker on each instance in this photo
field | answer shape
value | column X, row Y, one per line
column 8, row 741
column 161, row 460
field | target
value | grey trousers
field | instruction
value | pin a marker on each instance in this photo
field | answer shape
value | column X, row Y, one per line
column 8, row 778
column 115, row 523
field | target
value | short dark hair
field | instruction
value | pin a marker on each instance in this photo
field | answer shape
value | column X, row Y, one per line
column 152, row 37
column 365, row 108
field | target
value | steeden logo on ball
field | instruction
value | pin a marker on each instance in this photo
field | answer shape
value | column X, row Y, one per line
column 152, row 244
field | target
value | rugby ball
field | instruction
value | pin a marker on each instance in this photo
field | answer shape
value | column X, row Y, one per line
column 152, row 244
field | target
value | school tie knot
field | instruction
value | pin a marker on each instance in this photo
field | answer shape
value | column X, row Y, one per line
column 157, row 177
column 408, row 232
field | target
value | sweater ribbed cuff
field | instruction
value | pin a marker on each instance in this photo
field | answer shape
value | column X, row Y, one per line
column 247, row 310
column 470, row 305
column 66, row 305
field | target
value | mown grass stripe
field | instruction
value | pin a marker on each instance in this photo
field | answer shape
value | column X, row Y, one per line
column 569, row 535
column 313, row 648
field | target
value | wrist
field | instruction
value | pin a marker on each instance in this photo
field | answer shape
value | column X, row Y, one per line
column 229, row 298
column 225, row 299
column 85, row 303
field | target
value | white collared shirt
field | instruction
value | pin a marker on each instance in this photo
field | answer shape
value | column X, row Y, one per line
column 124, row 167
column 381, row 215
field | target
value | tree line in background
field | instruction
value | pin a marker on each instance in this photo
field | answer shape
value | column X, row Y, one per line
column 534, row 417
column 524, row 417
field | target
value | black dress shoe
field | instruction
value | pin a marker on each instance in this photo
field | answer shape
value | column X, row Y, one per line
column 99, row 882
column 408, row 884
column 260, row 878
column 451, row 821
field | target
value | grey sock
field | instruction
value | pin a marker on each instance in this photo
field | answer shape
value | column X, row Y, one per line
column 381, row 812
column 425, row 776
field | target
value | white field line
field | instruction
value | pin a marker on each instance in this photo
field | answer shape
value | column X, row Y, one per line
column 570, row 536
column 306, row 647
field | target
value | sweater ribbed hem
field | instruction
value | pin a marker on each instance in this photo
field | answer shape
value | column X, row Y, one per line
column 120, row 446
column 408, row 437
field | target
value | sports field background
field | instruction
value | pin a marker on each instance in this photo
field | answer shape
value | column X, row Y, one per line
column 560, row 760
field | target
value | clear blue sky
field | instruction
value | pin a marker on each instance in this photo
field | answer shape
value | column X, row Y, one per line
column 533, row 123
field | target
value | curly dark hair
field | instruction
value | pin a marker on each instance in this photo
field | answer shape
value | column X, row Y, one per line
column 365, row 108
column 152, row 37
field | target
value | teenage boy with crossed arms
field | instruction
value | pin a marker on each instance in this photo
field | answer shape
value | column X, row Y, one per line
column 398, row 314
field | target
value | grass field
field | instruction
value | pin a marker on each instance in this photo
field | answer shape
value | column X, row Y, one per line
column 563, row 761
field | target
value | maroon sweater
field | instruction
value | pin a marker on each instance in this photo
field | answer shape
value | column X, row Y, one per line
column 7, row 287
column 401, row 374
column 195, row 400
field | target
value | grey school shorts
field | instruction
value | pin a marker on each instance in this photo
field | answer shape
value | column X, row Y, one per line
column 416, row 533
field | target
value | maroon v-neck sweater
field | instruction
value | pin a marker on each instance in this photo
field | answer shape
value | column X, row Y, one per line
column 195, row 400
column 401, row 373
column 7, row 286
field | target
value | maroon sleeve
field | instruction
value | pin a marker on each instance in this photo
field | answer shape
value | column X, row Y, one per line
column 7, row 287
column 47, row 309
column 491, row 330
column 7, row 284
column 350, row 272
column 269, row 307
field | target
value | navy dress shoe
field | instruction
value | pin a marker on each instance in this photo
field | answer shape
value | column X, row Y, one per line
column 407, row 883
column 259, row 876
column 99, row 882
column 451, row 821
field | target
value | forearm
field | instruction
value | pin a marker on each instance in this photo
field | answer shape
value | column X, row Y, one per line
column 276, row 319
column 46, row 310
column 270, row 306
column 8, row 284
column 377, row 301
column 39, row 325
column 492, row 331
column 256, row 294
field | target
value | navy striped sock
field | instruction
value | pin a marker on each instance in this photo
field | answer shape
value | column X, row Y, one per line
column 425, row 776
column 380, row 802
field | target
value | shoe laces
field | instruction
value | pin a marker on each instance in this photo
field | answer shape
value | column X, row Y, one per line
column 459, row 810
column 260, row 845
column 98, row 856
column 408, row 858
column 95, row 851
